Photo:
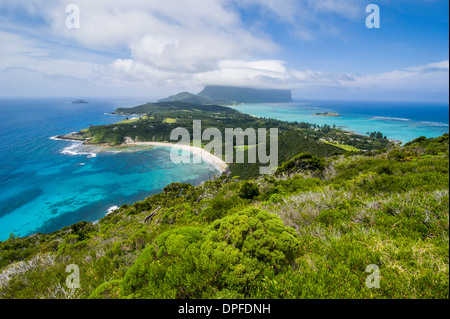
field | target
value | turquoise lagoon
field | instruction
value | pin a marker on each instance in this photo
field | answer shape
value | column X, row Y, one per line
column 401, row 121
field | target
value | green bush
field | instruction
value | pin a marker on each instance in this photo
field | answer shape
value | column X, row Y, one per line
column 249, row 190
column 302, row 162
column 229, row 257
column 107, row 290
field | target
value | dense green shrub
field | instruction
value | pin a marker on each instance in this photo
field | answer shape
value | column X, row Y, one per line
column 107, row 290
column 302, row 162
column 228, row 257
column 249, row 190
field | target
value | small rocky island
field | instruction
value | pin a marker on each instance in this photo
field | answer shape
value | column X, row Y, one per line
column 331, row 114
column 80, row 102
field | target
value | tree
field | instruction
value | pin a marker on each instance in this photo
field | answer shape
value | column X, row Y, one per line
column 249, row 190
column 13, row 237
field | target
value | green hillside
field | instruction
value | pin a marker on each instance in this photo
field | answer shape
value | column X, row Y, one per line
column 172, row 106
column 189, row 98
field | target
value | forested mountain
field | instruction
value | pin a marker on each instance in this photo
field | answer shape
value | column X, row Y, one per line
column 229, row 95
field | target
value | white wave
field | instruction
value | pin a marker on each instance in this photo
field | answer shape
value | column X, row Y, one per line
column 390, row 118
column 429, row 123
column 72, row 149
column 112, row 209
column 75, row 150
column 413, row 123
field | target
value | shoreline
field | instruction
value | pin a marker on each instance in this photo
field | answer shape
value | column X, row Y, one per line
column 218, row 163
column 206, row 156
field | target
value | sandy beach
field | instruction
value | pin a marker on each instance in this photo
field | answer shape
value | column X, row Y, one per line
column 206, row 156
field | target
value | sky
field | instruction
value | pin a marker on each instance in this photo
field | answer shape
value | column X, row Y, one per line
column 320, row 49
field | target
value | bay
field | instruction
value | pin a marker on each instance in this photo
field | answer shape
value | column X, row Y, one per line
column 48, row 184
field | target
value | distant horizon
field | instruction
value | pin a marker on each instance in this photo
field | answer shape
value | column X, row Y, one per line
column 294, row 99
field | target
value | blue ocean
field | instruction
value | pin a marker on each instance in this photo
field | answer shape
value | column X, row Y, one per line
column 46, row 184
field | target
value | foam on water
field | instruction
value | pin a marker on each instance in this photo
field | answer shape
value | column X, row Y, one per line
column 112, row 209
column 389, row 118
column 76, row 149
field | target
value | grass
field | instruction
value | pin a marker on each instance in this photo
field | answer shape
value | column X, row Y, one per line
column 129, row 121
column 133, row 120
column 345, row 147
column 245, row 147
column 170, row 120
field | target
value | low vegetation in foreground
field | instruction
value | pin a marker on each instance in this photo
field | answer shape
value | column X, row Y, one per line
column 308, row 231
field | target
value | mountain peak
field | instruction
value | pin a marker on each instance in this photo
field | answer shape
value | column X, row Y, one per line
column 228, row 95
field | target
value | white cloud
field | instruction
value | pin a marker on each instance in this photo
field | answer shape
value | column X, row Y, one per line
column 433, row 77
column 163, row 36
column 180, row 35
column 442, row 66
